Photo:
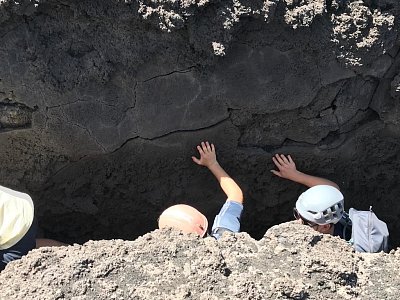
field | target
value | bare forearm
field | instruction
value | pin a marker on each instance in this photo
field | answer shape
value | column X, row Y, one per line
column 310, row 181
column 208, row 159
column 287, row 169
column 228, row 185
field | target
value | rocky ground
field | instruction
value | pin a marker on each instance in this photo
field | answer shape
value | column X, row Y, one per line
column 290, row 262
column 102, row 103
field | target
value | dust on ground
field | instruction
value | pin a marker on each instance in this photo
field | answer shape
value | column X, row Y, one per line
column 290, row 262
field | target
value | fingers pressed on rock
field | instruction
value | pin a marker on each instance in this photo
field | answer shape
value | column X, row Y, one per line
column 208, row 146
column 277, row 164
column 200, row 150
column 279, row 159
column 276, row 173
column 285, row 160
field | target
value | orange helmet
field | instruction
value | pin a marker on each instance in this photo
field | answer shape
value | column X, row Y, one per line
column 185, row 218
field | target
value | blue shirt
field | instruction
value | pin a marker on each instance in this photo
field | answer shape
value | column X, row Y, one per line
column 228, row 219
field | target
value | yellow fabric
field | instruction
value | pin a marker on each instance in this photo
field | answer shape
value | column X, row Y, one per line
column 16, row 216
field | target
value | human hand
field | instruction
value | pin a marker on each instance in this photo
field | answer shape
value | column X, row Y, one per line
column 286, row 166
column 207, row 155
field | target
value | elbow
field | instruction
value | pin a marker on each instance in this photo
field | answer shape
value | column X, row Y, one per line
column 334, row 185
column 236, row 196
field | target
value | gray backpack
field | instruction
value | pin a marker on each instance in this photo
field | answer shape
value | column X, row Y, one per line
column 368, row 233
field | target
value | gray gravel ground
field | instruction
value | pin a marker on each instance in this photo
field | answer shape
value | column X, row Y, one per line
column 290, row 262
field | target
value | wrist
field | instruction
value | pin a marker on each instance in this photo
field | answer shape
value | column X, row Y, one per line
column 295, row 176
column 213, row 165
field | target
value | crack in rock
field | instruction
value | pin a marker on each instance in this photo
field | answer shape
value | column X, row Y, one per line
column 170, row 133
column 189, row 69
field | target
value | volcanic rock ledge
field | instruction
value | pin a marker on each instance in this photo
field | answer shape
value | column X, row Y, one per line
column 290, row 262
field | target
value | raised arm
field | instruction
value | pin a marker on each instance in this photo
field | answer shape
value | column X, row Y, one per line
column 208, row 159
column 287, row 169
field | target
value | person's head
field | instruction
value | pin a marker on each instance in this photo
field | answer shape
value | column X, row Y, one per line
column 320, row 207
column 185, row 218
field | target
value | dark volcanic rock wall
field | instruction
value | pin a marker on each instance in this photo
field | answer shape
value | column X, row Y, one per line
column 102, row 103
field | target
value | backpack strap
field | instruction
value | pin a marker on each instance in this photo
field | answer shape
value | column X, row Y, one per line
column 347, row 227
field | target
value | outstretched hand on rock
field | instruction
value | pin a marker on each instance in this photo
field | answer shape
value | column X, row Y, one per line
column 207, row 155
column 286, row 166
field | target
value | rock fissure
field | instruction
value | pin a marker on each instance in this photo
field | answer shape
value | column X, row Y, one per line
column 64, row 104
column 186, row 70
column 175, row 132
column 89, row 133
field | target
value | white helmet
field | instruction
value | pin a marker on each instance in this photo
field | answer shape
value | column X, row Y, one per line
column 321, row 204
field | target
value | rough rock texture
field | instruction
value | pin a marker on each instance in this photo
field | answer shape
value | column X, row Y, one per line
column 102, row 103
column 290, row 262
